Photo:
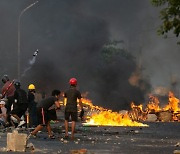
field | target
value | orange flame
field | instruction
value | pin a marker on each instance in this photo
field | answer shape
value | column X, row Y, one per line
column 173, row 103
column 99, row 116
column 109, row 118
column 153, row 105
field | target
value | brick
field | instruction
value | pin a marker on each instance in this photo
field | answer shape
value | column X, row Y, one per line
column 16, row 141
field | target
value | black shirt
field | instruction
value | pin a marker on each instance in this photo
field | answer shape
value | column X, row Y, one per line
column 30, row 97
column 72, row 94
column 47, row 103
column 21, row 96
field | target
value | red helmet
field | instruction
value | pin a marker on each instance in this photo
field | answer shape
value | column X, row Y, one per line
column 73, row 81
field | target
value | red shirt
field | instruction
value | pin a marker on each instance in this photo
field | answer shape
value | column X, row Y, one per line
column 10, row 91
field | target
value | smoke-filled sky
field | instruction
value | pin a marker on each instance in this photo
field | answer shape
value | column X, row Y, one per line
column 70, row 36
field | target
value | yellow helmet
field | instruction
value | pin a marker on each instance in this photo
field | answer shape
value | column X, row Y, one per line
column 31, row 87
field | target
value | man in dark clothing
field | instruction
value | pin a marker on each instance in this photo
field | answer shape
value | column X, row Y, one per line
column 43, row 112
column 20, row 104
column 72, row 94
column 32, row 105
column 7, row 91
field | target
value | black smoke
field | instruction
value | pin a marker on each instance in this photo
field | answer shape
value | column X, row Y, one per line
column 70, row 36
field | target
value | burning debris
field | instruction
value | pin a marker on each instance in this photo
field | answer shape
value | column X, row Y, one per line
column 170, row 112
column 99, row 116
column 109, row 118
column 136, row 113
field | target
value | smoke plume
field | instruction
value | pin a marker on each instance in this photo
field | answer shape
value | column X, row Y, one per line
column 31, row 63
column 71, row 36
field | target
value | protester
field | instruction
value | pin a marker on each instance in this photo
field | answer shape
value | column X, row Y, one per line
column 20, row 104
column 72, row 94
column 2, row 113
column 32, row 105
column 7, row 91
column 44, row 113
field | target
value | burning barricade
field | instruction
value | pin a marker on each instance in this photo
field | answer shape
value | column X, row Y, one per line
column 136, row 113
column 99, row 116
column 170, row 112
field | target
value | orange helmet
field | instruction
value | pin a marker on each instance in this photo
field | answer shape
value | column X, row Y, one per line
column 73, row 81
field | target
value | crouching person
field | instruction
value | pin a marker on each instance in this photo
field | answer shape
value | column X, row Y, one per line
column 2, row 113
column 44, row 114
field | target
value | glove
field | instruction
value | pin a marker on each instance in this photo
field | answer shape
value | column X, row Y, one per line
column 81, row 114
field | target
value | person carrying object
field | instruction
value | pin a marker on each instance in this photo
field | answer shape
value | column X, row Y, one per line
column 44, row 115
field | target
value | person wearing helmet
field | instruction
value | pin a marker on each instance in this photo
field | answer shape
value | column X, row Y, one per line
column 31, row 87
column 20, row 104
column 5, row 78
column 71, row 95
column 32, row 105
column 43, row 112
column 7, row 91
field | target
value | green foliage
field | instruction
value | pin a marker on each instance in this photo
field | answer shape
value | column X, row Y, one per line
column 158, row 2
column 170, row 16
column 114, row 49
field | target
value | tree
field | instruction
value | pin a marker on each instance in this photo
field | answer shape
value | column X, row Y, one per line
column 116, row 66
column 170, row 16
column 113, row 49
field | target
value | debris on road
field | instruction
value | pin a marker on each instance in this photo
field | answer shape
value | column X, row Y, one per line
column 16, row 141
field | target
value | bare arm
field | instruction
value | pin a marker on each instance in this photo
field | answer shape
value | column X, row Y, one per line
column 1, row 115
column 57, row 104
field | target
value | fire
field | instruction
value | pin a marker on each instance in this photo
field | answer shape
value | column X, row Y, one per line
column 109, row 118
column 99, row 116
column 172, row 108
column 134, row 106
column 153, row 105
column 173, row 103
column 136, row 113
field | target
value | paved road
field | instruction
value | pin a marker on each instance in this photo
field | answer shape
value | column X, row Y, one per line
column 160, row 138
